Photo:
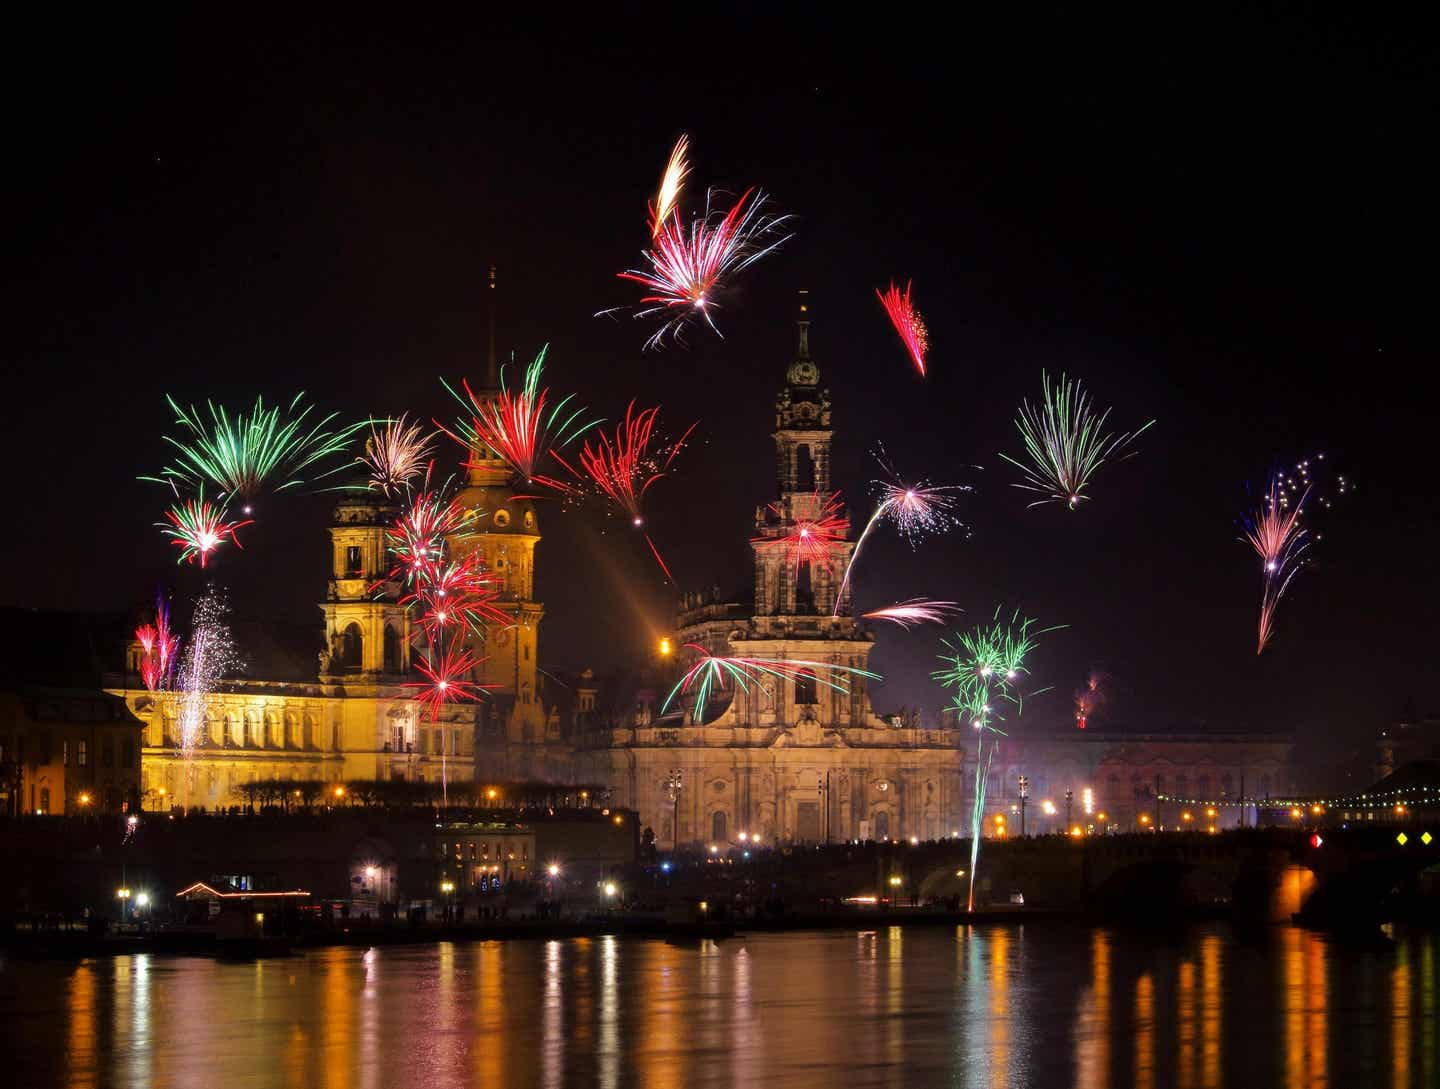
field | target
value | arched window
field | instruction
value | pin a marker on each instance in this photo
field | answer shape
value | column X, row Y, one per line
column 250, row 739
column 272, row 733
column 804, row 591
column 882, row 825
column 392, row 650
column 717, row 826
column 805, row 687
column 1227, row 784
column 1202, row 787
column 352, row 646
column 308, row 726
column 804, row 468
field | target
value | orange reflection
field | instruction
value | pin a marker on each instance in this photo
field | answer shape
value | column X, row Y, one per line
column 491, row 1065
column 338, row 1007
column 1092, row 1030
column 1185, row 1025
column 1145, row 1032
column 1428, row 1026
column 1000, row 1011
column 80, row 1004
column 661, row 1061
column 1211, row 1007
column 1303, row 1004
column 894, row 996
column 1400, row 1016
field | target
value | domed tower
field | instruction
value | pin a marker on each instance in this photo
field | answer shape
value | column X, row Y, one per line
column 505, row 532
column 367, row 632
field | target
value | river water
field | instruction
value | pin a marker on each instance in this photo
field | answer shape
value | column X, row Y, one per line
column 922, row 1006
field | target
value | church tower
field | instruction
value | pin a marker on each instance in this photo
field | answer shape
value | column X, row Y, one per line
column 785, row 590
column 367, row 632
column 505, row 532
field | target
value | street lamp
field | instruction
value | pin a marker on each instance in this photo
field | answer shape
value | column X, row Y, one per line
column 674, row 783
column 1024, row 796
column 666, row 647
column 1069, row 804
column 123, row 894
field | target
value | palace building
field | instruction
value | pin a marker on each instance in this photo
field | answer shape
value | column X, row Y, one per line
column 790, row 759
column 352, row 717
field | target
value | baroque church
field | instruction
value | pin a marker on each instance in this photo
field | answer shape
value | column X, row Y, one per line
column 788, row 759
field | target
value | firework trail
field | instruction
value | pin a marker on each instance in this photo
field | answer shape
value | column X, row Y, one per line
column 688, row 268
column 811, row 538
column 676, row 171
column 622, row 470
column 915, row 510
column 246, row 453
column 514, row 425
column 199, row 528
column 907, row 322
column 209, row 657
column 1065, row 443
column 985, row 666
column 396, row 453
column 915, row 611
column 1089, row 699
column 712, row 672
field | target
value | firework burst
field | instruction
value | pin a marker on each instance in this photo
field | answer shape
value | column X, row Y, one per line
column 712, row 674
column 1275, row 532
column 687, row 268
column 248, row 452
column 447, row 669
column 915, row 510
column 158, row 647
column 417, row 539
column 1065, row 443
column 915, row 611
column 199, row 528
column 986, row 666
column 516, row 425
column 907, row 322
column 1089, row 699
column 621, row 470
column 455, row 593
column 396, row 453
column 676, row 171
column 810, row 538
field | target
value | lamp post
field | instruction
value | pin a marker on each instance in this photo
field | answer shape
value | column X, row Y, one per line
column 1069, row 802
column 674, row 783
column 1024, row 794
column 822, row 789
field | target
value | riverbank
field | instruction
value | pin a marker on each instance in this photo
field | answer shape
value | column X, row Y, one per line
column 73, row 944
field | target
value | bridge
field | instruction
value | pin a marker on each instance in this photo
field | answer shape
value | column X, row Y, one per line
column 1348, row 876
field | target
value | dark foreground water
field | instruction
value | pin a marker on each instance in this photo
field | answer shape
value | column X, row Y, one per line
column 997, row 1006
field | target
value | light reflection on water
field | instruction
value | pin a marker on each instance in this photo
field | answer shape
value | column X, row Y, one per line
column 995, row 1006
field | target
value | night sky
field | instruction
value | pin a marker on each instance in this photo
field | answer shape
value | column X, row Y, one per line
column 1227, row 227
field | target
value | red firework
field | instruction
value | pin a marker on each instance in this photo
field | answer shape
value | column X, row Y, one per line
column 199, row 528
column 687, row 265
column 623, row 469
column 158, row 646
column 811, row 539
column 456, row 593
column 447, row 672
column 907, row 322
column 417, row 539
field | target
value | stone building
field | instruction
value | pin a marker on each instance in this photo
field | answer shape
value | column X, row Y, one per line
column 67, row 750
column 787, row 759
column 795, row 760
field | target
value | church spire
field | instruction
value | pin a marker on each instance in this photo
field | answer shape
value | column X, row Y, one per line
column 492, row 374
column 803, row 324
